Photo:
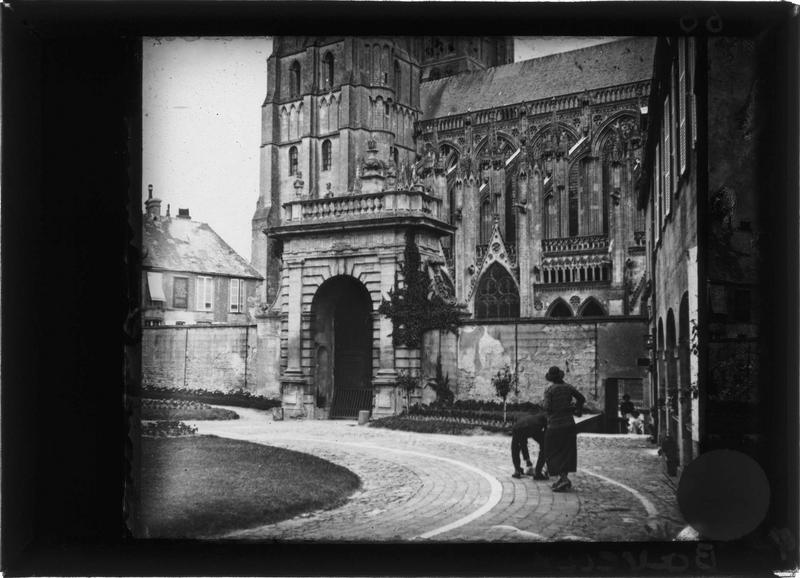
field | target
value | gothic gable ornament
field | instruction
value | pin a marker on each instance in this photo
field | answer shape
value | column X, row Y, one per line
column 496, row 252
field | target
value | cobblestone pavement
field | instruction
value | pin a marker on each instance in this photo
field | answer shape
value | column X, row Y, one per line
column 459, row 488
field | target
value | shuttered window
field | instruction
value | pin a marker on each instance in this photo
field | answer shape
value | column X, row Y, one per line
column 659, row 186
column 205, row 293
column 235, row 296
column 692, row 91
column 682, row 148
column 666, row 161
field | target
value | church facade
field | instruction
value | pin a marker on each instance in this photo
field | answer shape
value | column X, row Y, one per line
column 516, row 183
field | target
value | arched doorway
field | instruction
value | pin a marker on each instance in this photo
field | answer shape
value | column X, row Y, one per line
column 342, row 328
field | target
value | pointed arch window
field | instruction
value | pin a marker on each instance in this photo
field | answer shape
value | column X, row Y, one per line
column 326, row 155
column 497, row 295
column 560, row 309
column 398, row 78
column 327, row 69
column 294, row 79
column 293, row 161
column 591, row 308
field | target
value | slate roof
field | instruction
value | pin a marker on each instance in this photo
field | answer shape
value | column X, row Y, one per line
column 611, row 64
column 177, row 244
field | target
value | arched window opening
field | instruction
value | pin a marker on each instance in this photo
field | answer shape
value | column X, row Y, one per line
column 591, row 308
column 326, row 155
column 547, row 276
column 327, row 67
column 398, row 78
column 573, row 200
column 486, row 221
column 560, row 275
column 605, row 273
column 497, row 295
column 294, row 79
column 583, row 273
column 293, row 161
column 559, row 308
column 395, row 156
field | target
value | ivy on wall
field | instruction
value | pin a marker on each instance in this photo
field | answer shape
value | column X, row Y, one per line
column 414, row 307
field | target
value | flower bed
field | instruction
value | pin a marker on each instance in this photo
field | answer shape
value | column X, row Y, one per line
column 421, row 424
column 477, row 413
column 178, row 409
column 167, row 429
column 237, row 398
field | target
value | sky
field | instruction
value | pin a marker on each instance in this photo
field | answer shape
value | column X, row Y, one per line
column 201, row 126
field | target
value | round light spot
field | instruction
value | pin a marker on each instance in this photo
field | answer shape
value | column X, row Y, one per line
column 723, row 494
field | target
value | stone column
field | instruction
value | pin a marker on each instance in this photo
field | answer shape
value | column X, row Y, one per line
column 466, row 238
column 384, row 383
column 524, row 246
column 293, row 383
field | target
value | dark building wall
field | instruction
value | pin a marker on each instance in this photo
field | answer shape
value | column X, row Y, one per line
column 212, row 358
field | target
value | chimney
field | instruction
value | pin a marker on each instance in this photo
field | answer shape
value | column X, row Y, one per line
column 152, row 206
column 183, row 214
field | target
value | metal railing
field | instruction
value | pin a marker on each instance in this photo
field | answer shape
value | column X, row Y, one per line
column 347, row 402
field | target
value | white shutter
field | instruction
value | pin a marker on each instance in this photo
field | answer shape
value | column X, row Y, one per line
column 205, row 293
column 155, row 284
column 234, row 296
column 682, row 103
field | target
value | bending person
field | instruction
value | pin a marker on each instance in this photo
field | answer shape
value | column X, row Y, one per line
column 561, row 437
column 529, row 426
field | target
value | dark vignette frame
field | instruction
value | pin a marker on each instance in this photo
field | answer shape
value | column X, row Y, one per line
column 71, row 178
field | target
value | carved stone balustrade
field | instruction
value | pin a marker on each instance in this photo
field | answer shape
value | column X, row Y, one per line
column 575, row 245
column 366, row 206
column 361, row 210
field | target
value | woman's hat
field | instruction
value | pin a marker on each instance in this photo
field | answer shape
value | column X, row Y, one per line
column 554, row 374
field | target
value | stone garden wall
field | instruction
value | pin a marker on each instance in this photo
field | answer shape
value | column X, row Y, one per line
column 215, row 357
column 589, row 352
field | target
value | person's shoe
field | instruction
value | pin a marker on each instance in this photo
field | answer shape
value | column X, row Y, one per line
column 540, row 476
column 562, row 486
column 517, row 474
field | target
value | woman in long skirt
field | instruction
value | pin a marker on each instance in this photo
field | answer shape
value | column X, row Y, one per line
column 561, row 439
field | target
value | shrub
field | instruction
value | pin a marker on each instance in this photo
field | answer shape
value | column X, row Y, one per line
column 441, row 386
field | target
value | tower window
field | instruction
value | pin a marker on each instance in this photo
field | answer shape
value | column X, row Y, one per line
column 327, row 67
column 294, row 79
column 293, row 161
column 397, row 78
column 326, row 155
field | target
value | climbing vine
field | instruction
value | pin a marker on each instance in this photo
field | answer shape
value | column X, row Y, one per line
column 414, row 307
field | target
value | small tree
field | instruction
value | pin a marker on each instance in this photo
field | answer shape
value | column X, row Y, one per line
column 408, row 383
column 503, row 382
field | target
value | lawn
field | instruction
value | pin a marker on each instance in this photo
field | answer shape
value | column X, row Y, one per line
column 203, row 486
column 174, row 410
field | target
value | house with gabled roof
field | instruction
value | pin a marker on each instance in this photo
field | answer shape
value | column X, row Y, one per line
column 190, row 275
